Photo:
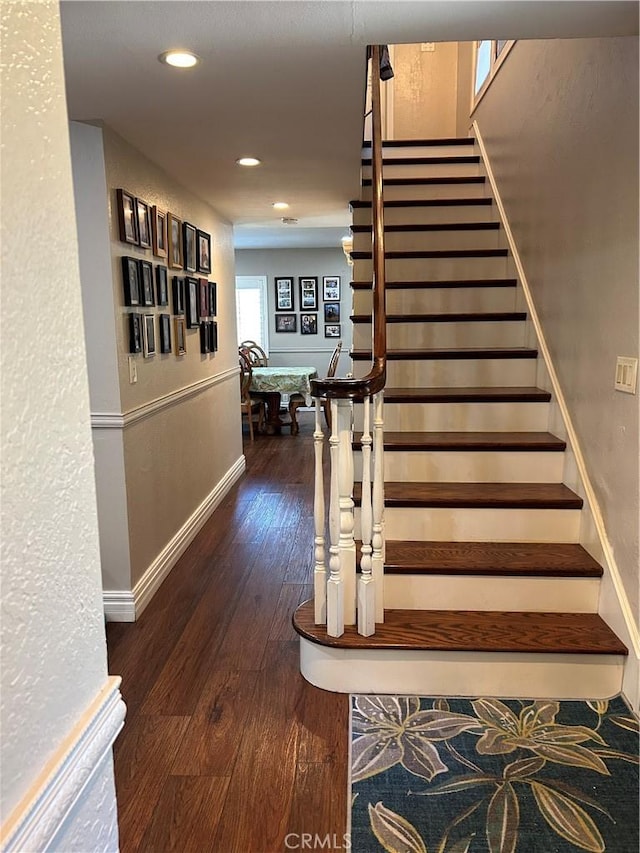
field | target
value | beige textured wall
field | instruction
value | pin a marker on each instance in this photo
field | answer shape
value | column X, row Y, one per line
column 425, row 91
column 561, row 125
column 464, row 88
column 175, row 457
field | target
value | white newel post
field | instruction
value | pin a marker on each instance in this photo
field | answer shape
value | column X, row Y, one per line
column 347, row 542
column 377, row 561
column 335, row 587
column 366, row 588
column 320, row 568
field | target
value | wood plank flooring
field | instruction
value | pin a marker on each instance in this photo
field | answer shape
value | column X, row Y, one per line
column 226, row 749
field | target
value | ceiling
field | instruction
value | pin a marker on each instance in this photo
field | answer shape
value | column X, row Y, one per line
column 282, row 80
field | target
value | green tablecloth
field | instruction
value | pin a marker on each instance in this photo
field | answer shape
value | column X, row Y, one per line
column 284, row 380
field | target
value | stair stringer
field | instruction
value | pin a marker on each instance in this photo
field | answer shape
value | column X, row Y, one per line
column 613, row 604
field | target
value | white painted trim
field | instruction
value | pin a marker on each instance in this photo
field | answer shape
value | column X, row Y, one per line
column 126, row 606
column 37, row 819
column 625, row 623
column 118, row 420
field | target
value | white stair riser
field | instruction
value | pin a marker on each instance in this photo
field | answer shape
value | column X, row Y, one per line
column 413, row 191
column 406, row 241
column 440, row 300
column 469, row 466
column 509, row 333
column 435, row 269
column 428, row 215
column 456, row 373
column 445, row 592
column 479, row 525
column 462, row 417
column 395, row 151
column 427, row 673
column 426, row 170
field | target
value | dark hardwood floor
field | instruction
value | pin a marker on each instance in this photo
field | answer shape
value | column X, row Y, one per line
column 225, row 747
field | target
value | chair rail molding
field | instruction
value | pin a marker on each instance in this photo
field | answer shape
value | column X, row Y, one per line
column 40, row 816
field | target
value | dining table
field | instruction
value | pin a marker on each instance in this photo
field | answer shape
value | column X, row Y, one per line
column 270, row 383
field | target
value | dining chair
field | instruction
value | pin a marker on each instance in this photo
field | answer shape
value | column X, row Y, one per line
column 297, row 400
column 254, row 352
column 249, row 405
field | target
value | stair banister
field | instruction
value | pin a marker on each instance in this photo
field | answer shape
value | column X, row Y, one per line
column 342, row 601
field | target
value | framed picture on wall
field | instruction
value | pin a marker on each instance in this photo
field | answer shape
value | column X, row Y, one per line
column 174, row 241
column 308, row 324
column 204, row 252
column 159, row 232
column 213, row 331
column 189, row 246
column 146, row 283
column 180, row 335
column 191, row 301
column 149, row 335
column 331, row 288
column 178, row 295
column 332, row 331
column 131, row 281
column 308, row 294
column 127, row 217
column 284, row 294
column 144, row 223
column 331, row 312
column 162, row 286
column 203, row 297
column 165, row 332
column 135, row 333
column 205, row 338
column 286, row 323
column 213, row 298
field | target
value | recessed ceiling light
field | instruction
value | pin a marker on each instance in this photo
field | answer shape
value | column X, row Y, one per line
column 179, row 58
column 280, row 205
column 248, row 161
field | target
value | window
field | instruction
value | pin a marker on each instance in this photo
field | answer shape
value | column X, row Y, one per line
column 251, row 310
column 489, row 56
column 483, row 63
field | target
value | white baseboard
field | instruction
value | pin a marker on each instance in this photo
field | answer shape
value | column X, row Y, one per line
column 43, row 811
column 127, row 605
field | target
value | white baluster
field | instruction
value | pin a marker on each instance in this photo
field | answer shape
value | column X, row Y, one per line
column 377, row 561
column 366, row 586
column 335, row 586
column 347, row 542
column 320, row 568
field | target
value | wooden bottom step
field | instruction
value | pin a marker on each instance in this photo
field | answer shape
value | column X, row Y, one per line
column 477, row 495
column 485, row 394
column 450, row 440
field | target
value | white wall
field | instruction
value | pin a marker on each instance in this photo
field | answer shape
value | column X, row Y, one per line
column 53, row 641
column 289, row 348
column 560, row 121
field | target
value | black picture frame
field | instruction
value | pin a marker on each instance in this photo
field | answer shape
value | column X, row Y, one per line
column 143, row 214
column 285, row 300
column 205, row 338
column 213, row 298
column 308, row 293
column 203, row 298
column 332, row 331
column 308, row 324
column 164, row 321
column 174, row 242
column 148, row 335
column 162, row 285
column 331, row 288
column 159, row 232
column 135, row 333
column 178, row 294
column 286, row 323
column 213, row 331
column 180, row 336
column 189, row 246
column 127, row 217
column 191, row 299
column 332, row 312
column 131, row 281
column 146, row 284
column 203, row 259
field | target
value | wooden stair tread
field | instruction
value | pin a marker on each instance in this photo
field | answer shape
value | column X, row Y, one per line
column 498, row 394
column 428, row 202
column 477, row 495
column 422, row 182
column 505, row 559
column 434, row 253
column 477, row 317
column 435, row 285
column 435, row 226
column 534, row 441
column 473, row 631
column 415, row 143
column 454, row 159
column 456, row 353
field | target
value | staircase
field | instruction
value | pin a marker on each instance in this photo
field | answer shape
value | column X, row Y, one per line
column 486, row 588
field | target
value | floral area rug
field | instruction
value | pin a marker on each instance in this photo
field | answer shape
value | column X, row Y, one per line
column 493, row 776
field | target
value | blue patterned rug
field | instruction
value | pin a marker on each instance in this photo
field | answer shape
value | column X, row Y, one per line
column 493, row 776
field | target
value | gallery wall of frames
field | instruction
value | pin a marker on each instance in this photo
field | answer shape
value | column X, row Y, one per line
column 311, row 311
column 178, row 285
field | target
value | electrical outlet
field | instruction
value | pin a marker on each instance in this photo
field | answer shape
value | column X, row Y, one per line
column 626, row 374
column 428, row 46
column 133, row 371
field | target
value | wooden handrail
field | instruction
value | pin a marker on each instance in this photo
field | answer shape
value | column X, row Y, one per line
column 374, row 381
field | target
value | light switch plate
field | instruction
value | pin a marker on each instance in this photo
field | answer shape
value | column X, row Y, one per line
column 428, row 46
column 626, row 374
